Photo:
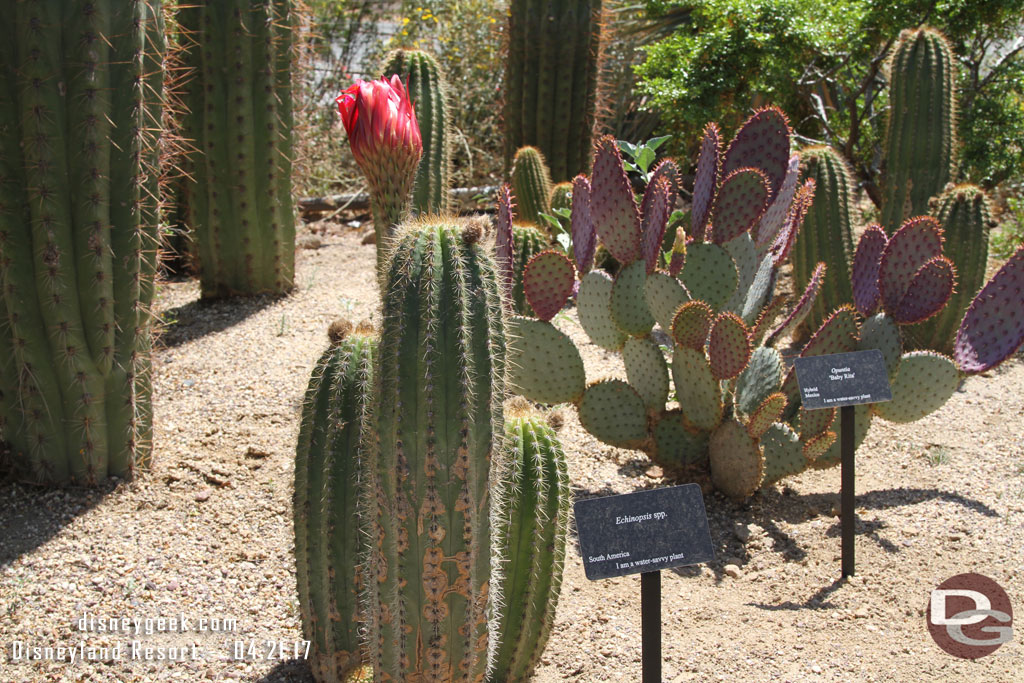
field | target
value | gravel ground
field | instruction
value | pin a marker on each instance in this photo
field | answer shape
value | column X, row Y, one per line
column 207, row 533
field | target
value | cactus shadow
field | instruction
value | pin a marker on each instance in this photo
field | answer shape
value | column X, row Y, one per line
column 290, row 671
column 198, row 318
column 32, row 515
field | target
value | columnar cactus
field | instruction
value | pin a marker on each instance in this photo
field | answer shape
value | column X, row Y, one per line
column 437, row 429
column 328, row 474
column 239, row 93
column 963, row 213
column 921, row 136
column 427, row 89
column 827, row 232
column 80, row 100
column 531, row 529
column 551, row 80
column 531, row 184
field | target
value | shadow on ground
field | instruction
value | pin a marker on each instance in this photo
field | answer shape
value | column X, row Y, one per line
column 291, row 671
column 198, row 318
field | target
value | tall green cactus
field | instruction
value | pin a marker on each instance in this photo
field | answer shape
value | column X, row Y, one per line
column 551, row 81
column 827, row 233
column 328, row 546
column 921, row 136
column 531, row 530
column 427, row 88
column 437, row 418
column 963, row 211
column 527, row 242
column 80, row 88
column 240, row 205
column 531, row 185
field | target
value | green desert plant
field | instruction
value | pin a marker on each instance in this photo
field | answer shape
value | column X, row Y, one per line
column 79, row 135
column 531, row 185
column 239, row 101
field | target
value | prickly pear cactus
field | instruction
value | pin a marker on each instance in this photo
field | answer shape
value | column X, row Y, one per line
column 328, row 471
column 920, row 139
column 239, row 198
column 531, row 530
column 551, row 75
column 437, row 429
column 427, row 88
column 531, row 184
column 79, row 129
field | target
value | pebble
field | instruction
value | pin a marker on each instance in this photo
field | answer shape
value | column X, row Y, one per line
column 732, row 570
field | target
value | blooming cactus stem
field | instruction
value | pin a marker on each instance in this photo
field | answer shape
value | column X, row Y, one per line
column 240, row 204
column 79, row 89
column 328, row 547
column 921, row 136
column 437, row 417
column 551, row 80
column 429, row 91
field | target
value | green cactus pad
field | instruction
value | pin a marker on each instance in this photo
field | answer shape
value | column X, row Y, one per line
column 832, row 456
column 728, row 346
column 615, row 213
column 739, row 203
column 664, row 295
column 765, row 319
column 706, row 179
column 762, row 142
column 916, row 243
column 699, row 394
column 744, row 255
column 783, row 453
column 675, row 445
column 527, row 242
column 737, row 464
column 814, row 423
column 629, row 308
column 709, row 274
column 614, row 413
column 817, row 446
column 545, row 365
column 838, row 334
column 765, row 414
column 647, row 371
column 880, row 332
column 760, row 290
column 803, row 306
column 993, row 327
column 928, row 293
column 759, row 380
column 594, row 305
column 864, row 269
column 924, row 383
column 691, row 325
column 547, row 281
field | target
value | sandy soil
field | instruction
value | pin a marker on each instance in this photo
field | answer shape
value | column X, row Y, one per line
column 207, row 533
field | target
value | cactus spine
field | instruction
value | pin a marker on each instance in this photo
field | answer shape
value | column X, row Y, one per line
column 429, row 92
column 240, row 206
column 532, row 526
column 437, row 418
column 963, row 212
column 551, row 81
column 78, row 235
column 921, row 135
column 531, row 185
column 327, row 479
column 826, row 234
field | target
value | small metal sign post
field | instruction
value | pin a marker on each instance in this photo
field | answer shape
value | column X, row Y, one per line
column 643, row 533
column 844, row 380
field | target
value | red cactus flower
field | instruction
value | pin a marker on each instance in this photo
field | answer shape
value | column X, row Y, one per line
column 380, row 121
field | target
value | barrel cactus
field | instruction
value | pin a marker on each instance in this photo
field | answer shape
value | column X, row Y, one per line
column 78, row 235
column 239, row 202
column 427, row 89
column 328, row 472
column 920, row 141
column 437, row 429
column 551, row 78
column 531, row 528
